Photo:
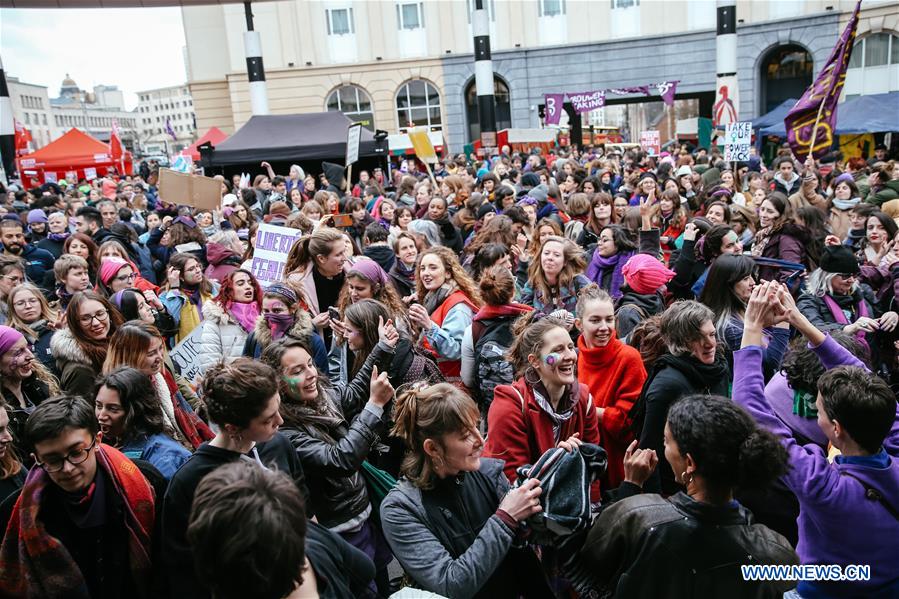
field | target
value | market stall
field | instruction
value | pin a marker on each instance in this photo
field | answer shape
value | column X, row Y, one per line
column 74, row 155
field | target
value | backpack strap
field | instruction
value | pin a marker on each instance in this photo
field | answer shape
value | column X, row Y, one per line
column 874, row 495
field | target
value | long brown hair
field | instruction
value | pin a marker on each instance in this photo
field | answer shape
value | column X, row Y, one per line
column 573, row 266
column 93, row 348
column 384, row 293
column 430, row 413
column 130, row 344
column 179, row 261
column 454, row 271
column 93, row 258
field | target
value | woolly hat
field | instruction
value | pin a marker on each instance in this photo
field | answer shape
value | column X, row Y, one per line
column 109, row 268
column 648, row 175
column 683, row 171
column 8, row 337
column 285, row 292
column 485, row 209
column 839, row 259
column 371, row 270
column 36, row 216
column 844, row 178
column 530, row 180
column 229, row 199
column 645, row 274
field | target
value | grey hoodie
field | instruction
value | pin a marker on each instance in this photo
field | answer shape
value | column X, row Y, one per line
column 423, row 555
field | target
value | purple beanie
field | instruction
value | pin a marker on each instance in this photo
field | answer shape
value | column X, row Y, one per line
column 36, row 216
column 8, row 337
column 371, row 270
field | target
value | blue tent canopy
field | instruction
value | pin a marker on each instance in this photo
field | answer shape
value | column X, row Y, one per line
column 863, row 114
column 774, row 117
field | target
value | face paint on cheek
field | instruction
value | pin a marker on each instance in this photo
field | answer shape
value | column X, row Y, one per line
column 293, row 384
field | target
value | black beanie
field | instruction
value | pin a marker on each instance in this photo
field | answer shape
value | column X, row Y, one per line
column 839, row 259
column 485, row 209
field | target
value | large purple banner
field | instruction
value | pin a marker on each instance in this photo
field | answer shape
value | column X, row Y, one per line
column 811, row 122
column 553, row 108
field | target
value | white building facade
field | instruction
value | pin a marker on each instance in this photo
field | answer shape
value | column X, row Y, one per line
column 31, row 108
column 158, row 107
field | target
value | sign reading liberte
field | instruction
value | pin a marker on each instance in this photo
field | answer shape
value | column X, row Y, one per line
column 273, row 243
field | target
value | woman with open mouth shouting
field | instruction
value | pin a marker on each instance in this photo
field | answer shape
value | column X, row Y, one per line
column 229, row 318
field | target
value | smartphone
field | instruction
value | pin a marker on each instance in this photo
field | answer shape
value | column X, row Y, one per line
column 343, row 220
column 334, row 313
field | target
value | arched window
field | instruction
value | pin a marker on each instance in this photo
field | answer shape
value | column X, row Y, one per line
column 503, row 107
column 874, row 65
column 355, row 103
column 418, row 104
column 786, row 73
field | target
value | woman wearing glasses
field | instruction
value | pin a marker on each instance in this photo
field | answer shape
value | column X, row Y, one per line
column 115, row 275
column 12, row 273
column 24, row 383
column 31, row 315
column 80, row 349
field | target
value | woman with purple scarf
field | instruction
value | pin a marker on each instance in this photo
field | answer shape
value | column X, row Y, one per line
column 283, row 315
column 229, row 319
column 612, row 252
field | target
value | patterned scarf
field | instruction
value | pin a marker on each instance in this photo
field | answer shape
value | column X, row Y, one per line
column 194, row 430
column 35, row 564
column 566, row 404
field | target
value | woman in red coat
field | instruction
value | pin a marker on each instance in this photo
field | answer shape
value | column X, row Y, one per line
column 546, row 406
column 612, row 371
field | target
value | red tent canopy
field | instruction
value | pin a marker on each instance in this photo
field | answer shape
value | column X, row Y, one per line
column 76, row 152
column 214, row 136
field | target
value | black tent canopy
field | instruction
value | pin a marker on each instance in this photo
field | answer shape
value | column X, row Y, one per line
column 291, row 138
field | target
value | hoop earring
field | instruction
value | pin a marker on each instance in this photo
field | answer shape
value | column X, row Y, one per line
column 683, row 477
column 531, row 376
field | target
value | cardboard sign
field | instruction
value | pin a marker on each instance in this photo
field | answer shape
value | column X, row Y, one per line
column 424, row 149
column 184, row 355
column 737, row 141
column 650, row 142
column 353, row 135
column 273, row 243
column 190, row 190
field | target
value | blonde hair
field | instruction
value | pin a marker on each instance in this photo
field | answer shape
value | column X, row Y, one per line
column 454, row 271
column 430, row 413
column 47, row 313
column 591, row 293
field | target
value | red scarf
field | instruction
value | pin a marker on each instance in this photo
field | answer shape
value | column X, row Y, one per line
column 195, row 431
column 34, row 564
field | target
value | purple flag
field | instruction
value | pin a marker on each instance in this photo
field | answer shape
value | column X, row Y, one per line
column 587, row 101
column 553, row 108
column 624, row 91
column 667, row 89
column 169, row 129
column 811, row 122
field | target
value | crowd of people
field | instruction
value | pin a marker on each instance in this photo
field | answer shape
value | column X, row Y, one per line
column 717, row 341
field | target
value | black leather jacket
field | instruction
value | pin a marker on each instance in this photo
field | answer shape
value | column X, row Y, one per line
column 648, row 546
column 332, row 456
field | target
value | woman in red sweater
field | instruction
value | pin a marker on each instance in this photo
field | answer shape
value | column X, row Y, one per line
column 612, row 371
column 546, row 406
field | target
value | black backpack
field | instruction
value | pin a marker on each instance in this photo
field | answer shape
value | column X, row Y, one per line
column 492, row 340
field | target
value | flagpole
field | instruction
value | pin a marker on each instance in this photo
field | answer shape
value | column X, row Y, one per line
column 811, row 148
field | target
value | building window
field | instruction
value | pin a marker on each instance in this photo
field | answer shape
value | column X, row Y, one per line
column 43, row 119
column 417, row 104
column 489, row 4
column 410, row 15
column 27, row 119
column 628, row 4
column 875, row 50
column 354, row 102
column 503, row 105
column 551, row 8
column 340, row 22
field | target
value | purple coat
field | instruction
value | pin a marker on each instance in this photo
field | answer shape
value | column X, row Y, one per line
column 837, row 524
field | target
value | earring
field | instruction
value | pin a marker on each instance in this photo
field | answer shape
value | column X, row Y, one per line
column 683, row 477
column 531, row 376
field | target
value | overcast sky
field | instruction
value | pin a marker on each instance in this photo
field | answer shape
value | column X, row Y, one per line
column 133, row 48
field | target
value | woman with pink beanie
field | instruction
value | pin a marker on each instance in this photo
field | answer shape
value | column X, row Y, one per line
column 642, row 294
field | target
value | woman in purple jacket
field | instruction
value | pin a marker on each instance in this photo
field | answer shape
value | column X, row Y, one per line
column 856, row 498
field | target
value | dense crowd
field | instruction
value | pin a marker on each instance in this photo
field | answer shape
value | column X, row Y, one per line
column 697, row 357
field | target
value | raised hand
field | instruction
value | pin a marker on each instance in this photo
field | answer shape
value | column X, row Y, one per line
column 381, row 389
column 690, row 232
column 639, row 464
column 387, row 332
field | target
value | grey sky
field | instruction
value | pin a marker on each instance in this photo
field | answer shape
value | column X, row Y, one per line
column 134, row 48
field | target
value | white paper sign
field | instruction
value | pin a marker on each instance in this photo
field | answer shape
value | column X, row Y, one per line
column 90, row 173
column 737, row 141
column 353, row 136
column 185, row 355
column 650, row 141
column 273, row 243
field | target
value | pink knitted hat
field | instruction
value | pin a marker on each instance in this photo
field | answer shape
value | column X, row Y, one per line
column 110, row 268
column 645, row 274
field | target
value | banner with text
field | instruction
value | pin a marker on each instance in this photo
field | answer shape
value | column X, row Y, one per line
column 650, row 142
column 273, row 243
column 587, row 101
column 184, row 355
column 737, row 140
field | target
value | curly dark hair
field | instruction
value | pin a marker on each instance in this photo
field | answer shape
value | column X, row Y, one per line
column 802, row 367
column 138, row 399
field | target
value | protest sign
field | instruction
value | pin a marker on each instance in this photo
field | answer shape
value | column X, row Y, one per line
column 185, row 355
column 353, row 135
column 190, row 190
column 273, row 243
column 649, row 141
column 50, row 177
column 90, row 173
column 421, row 142
column 587, row 101
column 737, row 141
